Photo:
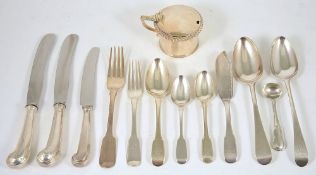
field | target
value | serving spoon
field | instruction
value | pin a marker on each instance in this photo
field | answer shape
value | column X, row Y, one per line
column 180, row 95
column 157, row 84
column 247, row 68
column 204, row 91
column 284, row 66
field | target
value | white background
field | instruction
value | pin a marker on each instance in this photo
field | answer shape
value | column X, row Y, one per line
column 109, row 23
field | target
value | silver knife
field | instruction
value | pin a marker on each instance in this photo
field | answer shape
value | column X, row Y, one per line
column 87, row 101
column 20, row 156
column 224, row 77
column 51, row 154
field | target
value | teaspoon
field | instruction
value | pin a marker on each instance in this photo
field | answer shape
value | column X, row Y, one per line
column 204, row 91
column 284, row 66
column 247, row 68
column 180, row 95
column 157, row 85
column 273, row 91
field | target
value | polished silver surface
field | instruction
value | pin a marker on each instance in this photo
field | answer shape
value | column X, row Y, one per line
column 21, row 155
column 115, row 82
column 273, row 91
column 157, row 84
column 284, row 66
column 50, row 155
column 247, row 68
column 42, row 56
column 224, row 78
column 88, row 82
column 63, row 68
column 180, row 95
column 205, row 91
column 135, row 92
column 87, row 101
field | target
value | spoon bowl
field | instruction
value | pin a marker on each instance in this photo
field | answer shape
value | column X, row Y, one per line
column 157, row 79
column 246, row 62
column 284, row 63
column 272, row 90
column 204, row 87
column 180, row 92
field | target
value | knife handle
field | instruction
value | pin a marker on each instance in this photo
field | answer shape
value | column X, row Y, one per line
column 50, row 155
column 20, row 156
column 80, row 158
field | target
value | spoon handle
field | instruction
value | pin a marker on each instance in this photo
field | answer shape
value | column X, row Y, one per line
column 207, row 146
column 262, row 147
column 158, row 151
column 181, row 149
column 230, row 151
column 300, row 150
column 278, row 142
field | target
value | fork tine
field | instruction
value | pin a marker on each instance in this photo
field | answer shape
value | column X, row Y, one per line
column 118, row 70
column 133, row 75
column 110, row 61
column 129, row 76
column 139, row 77
column 122, row 63
column 114, row 71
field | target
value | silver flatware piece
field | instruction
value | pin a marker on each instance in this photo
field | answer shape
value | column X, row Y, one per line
column 224, row 77
column 284, row 66
column 87, row 101
column 50, row 155
column 115, row 82
column 247, row 68
column 21, row 155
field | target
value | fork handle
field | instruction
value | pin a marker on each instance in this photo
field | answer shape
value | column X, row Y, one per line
column 108, row 148
column 109, row 130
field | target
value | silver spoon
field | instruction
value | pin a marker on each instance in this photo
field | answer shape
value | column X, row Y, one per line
column 204, row 91
column 284, row 66
column 247, row 68
column 157, row 85
column 180, row 95
column 273, row 91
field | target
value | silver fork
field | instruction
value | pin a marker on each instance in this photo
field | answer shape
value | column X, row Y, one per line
column 115, row 81
column 135, row 91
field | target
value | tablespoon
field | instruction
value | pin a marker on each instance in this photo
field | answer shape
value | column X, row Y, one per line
column 180, row 95
column 273, row 91
column 204, row 91
column 157, row 84
column 284, row 66
column 247, row 68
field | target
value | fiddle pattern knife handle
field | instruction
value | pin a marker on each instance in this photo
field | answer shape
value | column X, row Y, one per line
column 80, row 158
column 20, row 156
column 50, row 155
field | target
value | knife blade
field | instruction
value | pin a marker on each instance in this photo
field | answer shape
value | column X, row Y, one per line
column 87, row 101
column 51, row 153
column 224, row 77
column 21, row 155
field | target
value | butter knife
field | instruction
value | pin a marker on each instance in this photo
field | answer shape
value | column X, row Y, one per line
column 21, row 155
column 87, row 101
column 224, row 77
column 51, row 153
